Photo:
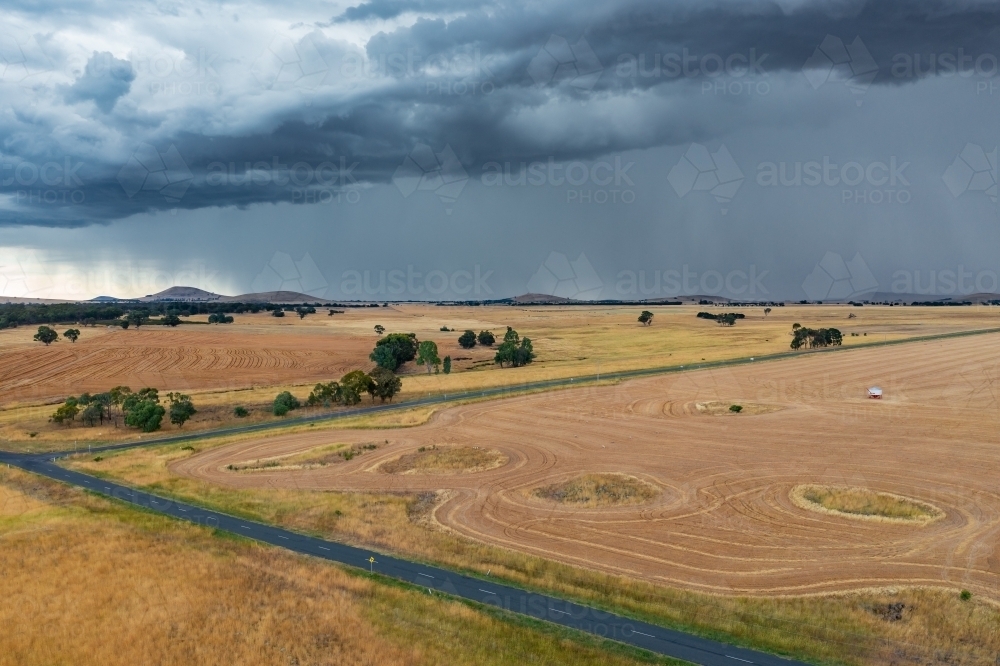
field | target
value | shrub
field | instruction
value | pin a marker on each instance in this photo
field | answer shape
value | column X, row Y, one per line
column 240, row 412
column 965, row 595
column 736, row 408
column 486, row 338
column 467, row 340
column 284, row 402
column 446, row 368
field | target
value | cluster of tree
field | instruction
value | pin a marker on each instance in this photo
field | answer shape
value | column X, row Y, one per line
column 645, row 317
column 514, row 351
column 727, row 319
column 381, row 383
column 302, row 311
column 815, row 337
column 394, row 350
column 141, row 409
column 47, row 335
column 219, row 318
column 469, row 339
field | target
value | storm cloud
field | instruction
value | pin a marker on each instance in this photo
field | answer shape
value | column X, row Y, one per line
column 197, row 109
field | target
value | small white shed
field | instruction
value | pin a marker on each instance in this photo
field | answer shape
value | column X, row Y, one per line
column 875, row 393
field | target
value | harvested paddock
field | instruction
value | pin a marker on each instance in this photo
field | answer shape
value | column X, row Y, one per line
column 725, row 522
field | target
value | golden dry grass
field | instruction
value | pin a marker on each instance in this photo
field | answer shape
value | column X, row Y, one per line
column 864, row 503
column 86, row 581
column 597, row 490
column 445, row 460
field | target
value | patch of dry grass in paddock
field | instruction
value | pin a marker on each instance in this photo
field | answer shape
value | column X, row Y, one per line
column 714, row 408
column 569, row 340
column 851, row 628
column 864, row 504
column 598, row 490
column 445, row 460
column 87, row 581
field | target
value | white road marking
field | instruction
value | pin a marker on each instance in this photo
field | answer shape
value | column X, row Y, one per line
column 558, row 611
column 747, row 661
column 423, row 574
column 486, row 591
column 244, row 527
column 322, row 548
column 282, row 537
column 642, row 634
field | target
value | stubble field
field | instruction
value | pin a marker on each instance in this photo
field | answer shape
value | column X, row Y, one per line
column 723, row 520
column 248, row 362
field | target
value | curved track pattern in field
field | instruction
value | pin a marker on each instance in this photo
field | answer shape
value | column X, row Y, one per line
column 724, row 521
column 206, row 358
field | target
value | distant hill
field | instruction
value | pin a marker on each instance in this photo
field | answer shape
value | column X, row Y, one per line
column 183, row 294
column 275, row 297
column 536, row 299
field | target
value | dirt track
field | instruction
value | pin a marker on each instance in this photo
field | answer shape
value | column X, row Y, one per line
column 724, row 522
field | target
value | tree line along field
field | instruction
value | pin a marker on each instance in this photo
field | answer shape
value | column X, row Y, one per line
column 246, row 363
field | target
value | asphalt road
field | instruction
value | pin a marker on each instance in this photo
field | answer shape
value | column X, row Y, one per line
column 650, row 637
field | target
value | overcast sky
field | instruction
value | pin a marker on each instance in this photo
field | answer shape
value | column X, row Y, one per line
column 472, row 149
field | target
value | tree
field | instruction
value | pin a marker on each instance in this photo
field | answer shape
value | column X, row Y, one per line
column 46, row 335
column 402, row 347
column 379, row 329
column 278, row 313
column 124, row 324
column 66, row 411
column 92, row 414
column 467, row 340
column 384, row 358
column 767, row 311
column 427, row 354
column 486, row 338
column 284, row 402
column 303, row 311
column 181, row 408
column 352, row 385
column 143, row 410
column 137, row 318
column 385, row 384
column 646, row 318
column 514, row 351
column 71, row 334
column 219, row 318
column 446, row 367
column 174, row 320
column 323, row 394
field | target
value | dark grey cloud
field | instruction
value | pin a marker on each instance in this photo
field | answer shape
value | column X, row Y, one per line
column 104, row 80
column 507, row 82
